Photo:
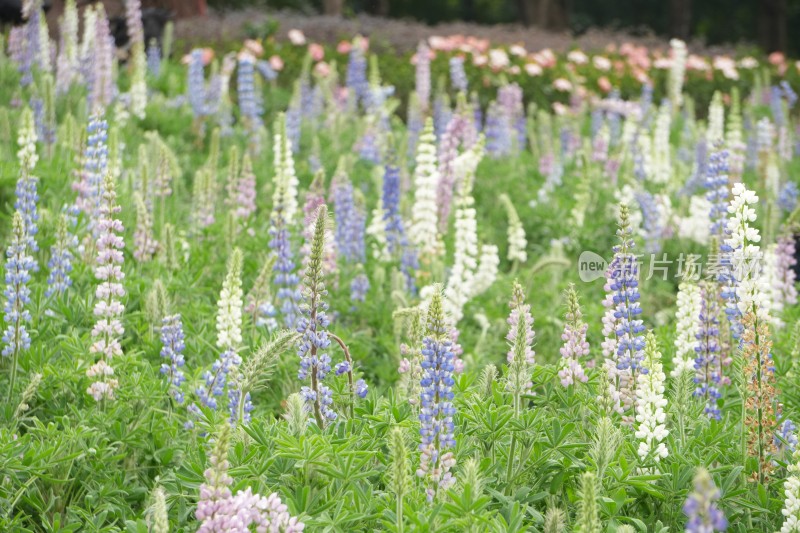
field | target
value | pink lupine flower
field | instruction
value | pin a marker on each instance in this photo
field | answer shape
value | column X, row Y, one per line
column 562, row 84
column 316, row 51
column 533, row 69
column 276, row 63
column 344, row 47
column 604, row 84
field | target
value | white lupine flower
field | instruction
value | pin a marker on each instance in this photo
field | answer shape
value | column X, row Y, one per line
column 791, row 505
column 661, row 166
column 424, row 215
column 746, row 257
column 651, row 428
column 26, row 139
column 716, row 120
column 289, row 177
column 229, row 314
column 67, row 64
column 377, row 230
column 689, row 307
column 772, row 286
column 487, row 269
column 676, row 72
column 44, row 59
column 516, row 233
column 138, row 89
column 695, row 225
column 645, row 152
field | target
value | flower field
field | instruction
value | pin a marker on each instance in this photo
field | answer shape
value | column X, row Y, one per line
column 282, row 286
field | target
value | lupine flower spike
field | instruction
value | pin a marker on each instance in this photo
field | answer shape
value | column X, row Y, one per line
column 575, row 346
column 704, row 515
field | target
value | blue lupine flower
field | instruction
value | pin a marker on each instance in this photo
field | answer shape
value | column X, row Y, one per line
column 359, row 288
column 651, row 221
column 154, row 58
column 701, row 506
column 95, row 164
column 60, row 263
column 234, row 393
column 249, row 99
column 624, row 283
column 498, row 140
column 215, row 379
column 442, row 113
column 787, row 198
column 409, row 263
column 285, row 277
column 718, row 190
column 172, row 340
column 32, row 46
column 294, row 119
column 789, row 94
column 196, row 83
column 776, row 105
column 25, row 204
column 265, row 317
column 457, row 75
column 356, row 76
column 266, row 70
column 707, row 363
column 395, row 233
column 17, row 294
column 361, row 388
column 350, row 221
column 786, row 437
column 436, row 401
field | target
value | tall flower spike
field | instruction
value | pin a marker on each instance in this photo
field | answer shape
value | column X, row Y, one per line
column 520, row 337
column 708, row 361
column 60, row 264
column 588, row 519
column 465, row 254
column 575, row 345
column 424, row 231
column 18, row 266
column 791, row 506
column 285, row 277
column 651, row 429
column 172, row 340
column 144, row 242
column 436, row 402
column 516, row 233
column 27, row 184
column 108, row 309
column 689, row 302
column 314, row 362
column 229, row 306
column 704, row 516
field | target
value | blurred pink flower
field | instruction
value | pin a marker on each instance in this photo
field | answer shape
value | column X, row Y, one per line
column 344, row 47
column 776, row 58
column 533, row 69
column 322, row 69
column 207, row 55
column 254, row 46
column 316, row 51
column 695, row 62
column 297, row 37
column 546, row 58
column 479, row 60
column 361, row 42
column 514, row 69
column 562, row 84
column 276, row 63
column 663, row 63
column 560, row 109
column 604, row 84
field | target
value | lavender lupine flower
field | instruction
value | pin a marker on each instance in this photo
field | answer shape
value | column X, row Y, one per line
column 415, row 124
column 458, row 78
column 172, row 340
column 153, row 58
column 509, row 97
column 108, row 308
column 575, row 345
column 30, row 43
column 17, row 295
column 196, row 83
column 436, row 402
column 350, row 219
column 651, row 221
column 498, row 140
column 458, row 132
column 60, row 264
column 442, row 113
column 423, row 75
column 67, row 63
column 704, row 516
column 144, row 241
column 215, row 381
column 245, row 191
column 718, row 190
column 101, row 82
column 708, row 360
column 786, row 438
column 314, row 362
column 359, row 288
column 785, row 277
column 625, row 284
column 221, row 512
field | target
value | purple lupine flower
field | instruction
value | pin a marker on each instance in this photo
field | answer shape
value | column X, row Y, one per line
column 361, row 388
column 698, row 178
column 497, row 130
column 101, row 81
column 414, row 124
column 154, row 58
column 409, row 263
column 786, row 438
column 234, row 396
column 436, row 402
column 423, row 75
column 249, row 99
column 787, row 198
column 266, row 70
column 19, row 263
column 25, row 204
column 442, row 113
column 196, row 83
column 285, row 277
column 350, row 220
column 393, row 221
column 368, row 146
column 245, row 190
column 459, row 131
column 359, row 288
column 31, row 46
column 215, row 380
column 172, row 340
column 60, row 263
column 785, row 262
column 704, row 516
column 458, row 78
column 776, row 105
column 708, row 360
column 509, row 97
column 625, row 287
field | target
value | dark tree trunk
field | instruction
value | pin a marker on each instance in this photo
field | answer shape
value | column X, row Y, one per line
column 680, row 18
column 332, row 7
column 772, row 25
